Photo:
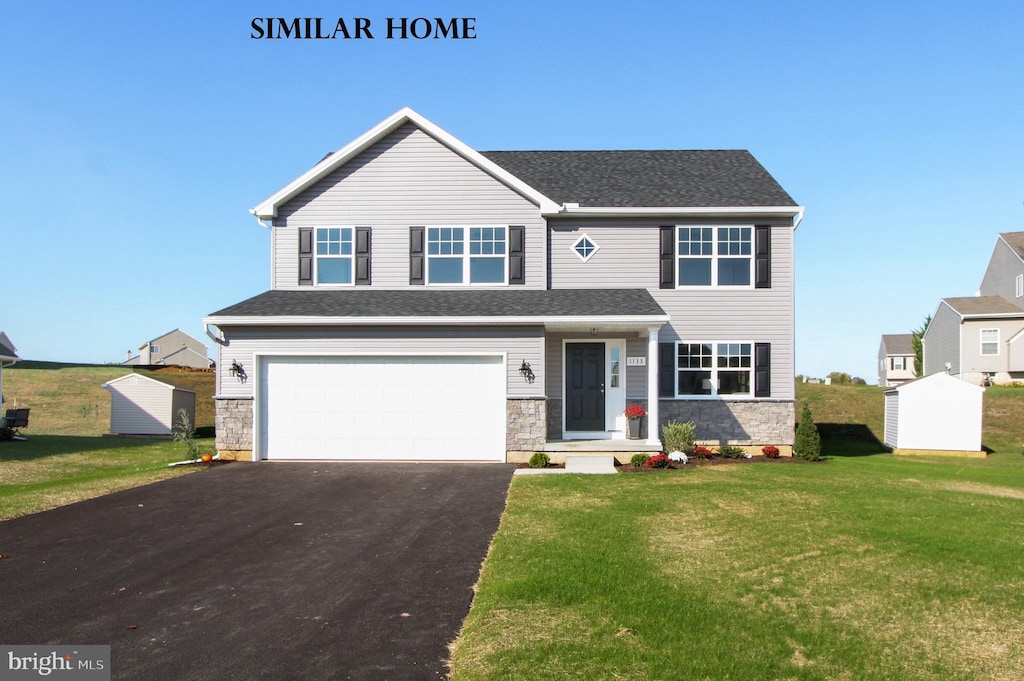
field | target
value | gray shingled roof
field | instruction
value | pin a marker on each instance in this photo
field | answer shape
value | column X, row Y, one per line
column 630, row 179
column 983, row 305
column 581, row 303
column 1016, row 242
column 898, row 343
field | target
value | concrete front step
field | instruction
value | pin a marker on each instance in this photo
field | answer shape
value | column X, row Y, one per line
column 590, row 463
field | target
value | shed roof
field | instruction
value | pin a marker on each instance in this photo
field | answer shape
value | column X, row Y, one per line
column 154, row 381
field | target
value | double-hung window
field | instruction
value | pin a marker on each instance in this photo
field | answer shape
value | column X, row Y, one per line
column 899, row 363
column 467, row 255
column 990, row 341
column 714, row 369
column 334, row 255
column 715, row 256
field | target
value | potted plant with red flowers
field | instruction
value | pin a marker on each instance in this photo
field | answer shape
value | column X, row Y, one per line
column 635, row 415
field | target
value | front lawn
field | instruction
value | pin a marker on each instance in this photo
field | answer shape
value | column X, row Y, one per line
column 46, row 471
column 861, row 567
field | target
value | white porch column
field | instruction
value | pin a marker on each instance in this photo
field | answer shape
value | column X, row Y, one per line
column 653, row 431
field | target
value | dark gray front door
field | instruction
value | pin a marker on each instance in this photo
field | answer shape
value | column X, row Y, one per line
column 584, row 386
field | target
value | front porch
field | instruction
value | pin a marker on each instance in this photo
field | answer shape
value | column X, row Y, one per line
column 558, row 450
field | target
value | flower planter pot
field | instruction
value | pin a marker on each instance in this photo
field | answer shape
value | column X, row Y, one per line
column 634, row 428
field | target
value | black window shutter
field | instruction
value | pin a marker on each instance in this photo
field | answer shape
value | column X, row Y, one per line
column 667, row 260
column 363, row 243
column 763, row 256
column 416, row 257
column 762, row 369
column 305, row 256
column 666, row 369
column 517, row 254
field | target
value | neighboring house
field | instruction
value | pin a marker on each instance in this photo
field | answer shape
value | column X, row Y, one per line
column 174, row 348
column 981, row 338
column 429, row 301
column 896, row 359
column 140, row 405
column 8, row 356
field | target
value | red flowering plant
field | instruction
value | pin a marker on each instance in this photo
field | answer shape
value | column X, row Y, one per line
column 702, row 452
column 659, row 461
column 635, row 411
column 770, row 451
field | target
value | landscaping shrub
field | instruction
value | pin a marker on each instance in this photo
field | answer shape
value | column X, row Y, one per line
column 732, row 452
column 539, row 460
column 678, row 436
column 702, row 452
column 639, row 460
column 807, row 444
column 770, row 451
column 659, row 461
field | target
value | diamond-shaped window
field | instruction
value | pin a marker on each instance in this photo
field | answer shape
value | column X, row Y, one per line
column 585, row 248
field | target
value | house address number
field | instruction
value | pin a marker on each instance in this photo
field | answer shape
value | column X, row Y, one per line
column 636, row 361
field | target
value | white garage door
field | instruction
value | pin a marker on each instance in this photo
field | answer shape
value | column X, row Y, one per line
column 416, row 408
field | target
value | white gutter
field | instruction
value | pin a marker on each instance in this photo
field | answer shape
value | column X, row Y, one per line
column 217, row 338
column 573, row 210
column 252, row 211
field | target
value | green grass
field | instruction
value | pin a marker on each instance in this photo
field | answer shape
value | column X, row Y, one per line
column 867, row 566
column 46, row 471
column 67, row 399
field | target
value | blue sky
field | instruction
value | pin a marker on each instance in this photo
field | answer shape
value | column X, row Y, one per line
column 134, row 137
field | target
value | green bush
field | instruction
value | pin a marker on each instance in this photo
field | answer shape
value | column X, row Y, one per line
column 639, row 460
column 539, row 460
column 731, row 452
column 678, row 436
column 807, row 444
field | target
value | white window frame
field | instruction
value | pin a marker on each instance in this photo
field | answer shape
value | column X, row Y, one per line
column 351, row 256
column 1019, row 285
column 983, row 342
column 466, row 255
column 154, row 349
column 902, row 363
column 576, row 245
column 715, row 381
column 716, row 256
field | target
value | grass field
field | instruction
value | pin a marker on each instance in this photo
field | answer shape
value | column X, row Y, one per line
column 863, row 567
column 64, row 458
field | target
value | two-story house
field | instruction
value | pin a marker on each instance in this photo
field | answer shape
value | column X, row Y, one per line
column 896, row 359
column 174, row 348
column 981, row 338
column 430, row 301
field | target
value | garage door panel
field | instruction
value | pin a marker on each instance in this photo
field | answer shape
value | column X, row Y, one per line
column 426, row 408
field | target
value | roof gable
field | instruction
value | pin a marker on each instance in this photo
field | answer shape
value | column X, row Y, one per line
column 983, row 306
column 113, row 383
column 1015, row 242
column 267, row 210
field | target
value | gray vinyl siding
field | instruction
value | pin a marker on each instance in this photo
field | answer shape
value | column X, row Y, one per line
column 407, row 179
column 973, row 360
column 1001, row 274
column 636, row 377
column 520, row 343
column 174, row 341
column 883, row 364
column 892, row 404
column 628, row 256
column 942, row 342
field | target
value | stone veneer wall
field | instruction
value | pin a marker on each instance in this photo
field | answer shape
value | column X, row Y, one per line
column 234, row 429
column 736, row 422
column 525, row 423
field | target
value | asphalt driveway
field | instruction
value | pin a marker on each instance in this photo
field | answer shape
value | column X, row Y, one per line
column 260, row 571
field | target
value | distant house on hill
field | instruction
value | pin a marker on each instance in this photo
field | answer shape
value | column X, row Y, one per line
column 981, row 338
column 8, row 356
column 895, row 359
column 174, row 348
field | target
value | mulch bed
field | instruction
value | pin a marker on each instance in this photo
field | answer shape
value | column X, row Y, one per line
column 695, row 463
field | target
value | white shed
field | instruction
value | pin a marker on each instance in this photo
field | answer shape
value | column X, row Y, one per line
column 140, row 405
column 934, row 415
